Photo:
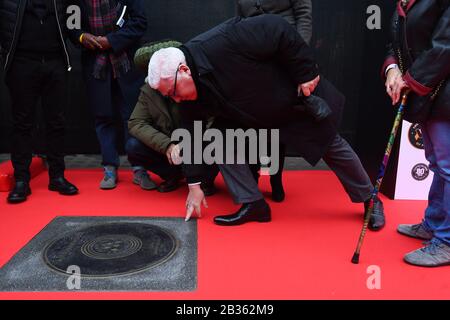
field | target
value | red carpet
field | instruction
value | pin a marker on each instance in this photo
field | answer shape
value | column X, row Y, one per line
column 37, row 166
column 304, row 253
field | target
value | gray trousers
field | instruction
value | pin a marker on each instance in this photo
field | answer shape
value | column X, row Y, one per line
column 240, row 182
column 346, row 165
column 340, row 157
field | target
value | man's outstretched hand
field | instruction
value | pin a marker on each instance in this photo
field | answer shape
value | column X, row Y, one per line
column 194, row 201
column 308, row 87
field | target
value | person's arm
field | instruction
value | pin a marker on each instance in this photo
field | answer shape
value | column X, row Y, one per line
column 140, row 124
column 303, row 18
column 268, row 37
column 133, row 29
column 433, row 65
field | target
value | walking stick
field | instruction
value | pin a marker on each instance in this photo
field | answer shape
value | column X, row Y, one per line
column 387, row 154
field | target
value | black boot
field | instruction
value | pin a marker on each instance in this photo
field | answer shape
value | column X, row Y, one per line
column 254, row 211
column 20, row 192
column 276, row 180
column 276, row 183
column 62, row 186
column 377, row 219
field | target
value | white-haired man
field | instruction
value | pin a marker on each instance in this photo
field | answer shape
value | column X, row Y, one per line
column 251, row 72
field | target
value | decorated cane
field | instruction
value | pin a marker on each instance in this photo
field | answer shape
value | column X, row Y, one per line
column 387, row 154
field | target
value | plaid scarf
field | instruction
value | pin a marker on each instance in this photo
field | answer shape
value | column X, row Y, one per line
column 102, row 20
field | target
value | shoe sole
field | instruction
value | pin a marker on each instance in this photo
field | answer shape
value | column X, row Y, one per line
column 423, row 266
column 54, row 189
column 108, row 188
column 261, row 220
column 375, row 229
column 414, row 237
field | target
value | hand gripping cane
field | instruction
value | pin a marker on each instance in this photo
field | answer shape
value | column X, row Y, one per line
column 398, row 118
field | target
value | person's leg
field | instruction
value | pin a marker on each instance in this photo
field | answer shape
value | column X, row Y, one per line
column 434, row 215
column 126, row 95
column 244, row 190
column 99, row 92
column 141, row 155
column 438, row 132
column 276, row 180
column 24, row 81
column 254, row 168
column 437, row 215
column 125, row 98
column 240, row 182
column 345, row 163
column 54, row 99
column 100, row 100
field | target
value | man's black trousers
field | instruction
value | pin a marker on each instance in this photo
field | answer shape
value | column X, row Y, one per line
column 29, row 80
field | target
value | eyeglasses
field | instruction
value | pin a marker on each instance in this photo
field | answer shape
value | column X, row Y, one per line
column 174, row 84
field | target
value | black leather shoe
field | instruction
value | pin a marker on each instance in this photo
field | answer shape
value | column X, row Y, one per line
column 377, row 219
column 62, row 186
column 208, row 188
column 20, row 192
column 170, row 184
column 255, row 211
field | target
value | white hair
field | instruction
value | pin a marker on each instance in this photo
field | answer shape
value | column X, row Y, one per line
column 163, row 65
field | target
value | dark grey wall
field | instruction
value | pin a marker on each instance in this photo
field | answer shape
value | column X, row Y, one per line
column 348, row 53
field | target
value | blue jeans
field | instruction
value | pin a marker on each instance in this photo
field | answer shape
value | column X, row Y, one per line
column 112, row 102
column 436, row 137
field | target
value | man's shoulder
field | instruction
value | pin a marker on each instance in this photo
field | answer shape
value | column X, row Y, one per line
column 149, row 92
column 153, row 96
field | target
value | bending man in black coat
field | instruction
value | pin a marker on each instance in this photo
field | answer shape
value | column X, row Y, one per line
column 250, row 72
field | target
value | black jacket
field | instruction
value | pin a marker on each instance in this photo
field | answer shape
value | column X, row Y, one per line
column 249, row 70
column 297, row 12
column 11, row 18
column 420, row 43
